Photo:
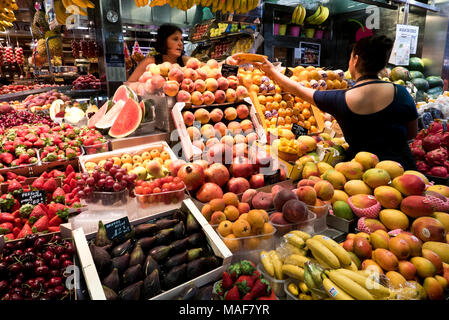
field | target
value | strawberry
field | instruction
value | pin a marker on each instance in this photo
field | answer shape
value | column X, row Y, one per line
column 261, row 288
column 38, row 183
column 24, row 158
column 73, row 184
column 25, row 230
column 45, row 176
column 219, row 288
column 6, row 227
column 232, row 294
column 40, row 225
column 14, row 186
column 69, row 177
column 36, row 214
column 50, row 185
column 59, row 195
column 70, row 153
column 21, row 179
column 52, row 209
column 235, row 271
column 66, row 189
column 56, row 173
column 244, row 283
column 9, row 236
column 55, row 221
column 11, row 175
column 54, row 229
column 227, row 282
column 39, row 143
column 16, row 231
column 247, row 267
column 6, row 217
column 69, row 170
column 6, row 157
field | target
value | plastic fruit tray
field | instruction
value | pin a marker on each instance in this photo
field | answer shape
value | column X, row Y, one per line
column 150, row 204
column 306, row 225
column 276, row 285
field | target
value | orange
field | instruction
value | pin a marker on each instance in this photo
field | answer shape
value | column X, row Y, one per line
column 225, row 228
column 267, row 229
column 296, row 111
column 262, row 99
column 295, row 119
column 313, row 129
column 310, row 68
column 232, row 213
column 273, row 121
column 312, row 120
column 304, row 76
column 287, row 97
column 257, row 79
column 315, row 75
column 275, row 105
column 263, row 109
column 289, row 112
column 306, row 105
column 344, row 84
column 307, row 124
column 288, row 120
column 155, row 153
column 290, row 104
column 283, row 104
column 337, row 84
column 277, row 89
column 165, row 155
column 281, row 121
column 301, row 117
column 254, row 88
column 232, row 243
column 231, row 199
column 330, row 84
column 269, row 106
column 269, row 99
column 241, row 228
column 306, row 113
column 282, row 112
column 298, row 69
column 331, row 75
column 294, row 78
column 298, row 99
column 267, row 123
column 277, row 97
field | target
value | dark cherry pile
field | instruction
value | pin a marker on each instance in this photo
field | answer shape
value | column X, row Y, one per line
column 18, row 118
column 35, row 268
column 111, row 179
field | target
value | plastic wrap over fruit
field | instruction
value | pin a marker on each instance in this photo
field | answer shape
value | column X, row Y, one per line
column 313, row 279
column 406, row 291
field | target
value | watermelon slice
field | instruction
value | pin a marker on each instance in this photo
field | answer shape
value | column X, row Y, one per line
column 106, row 122
column 99, row 114
column 124, row 93
column 128, row 120
column 142, row 106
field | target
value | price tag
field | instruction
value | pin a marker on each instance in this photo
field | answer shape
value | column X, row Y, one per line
column 299, row 131
column 33, row 197
column 118, row 228
column 272, row 179
column 288, row 72
column 229, row 70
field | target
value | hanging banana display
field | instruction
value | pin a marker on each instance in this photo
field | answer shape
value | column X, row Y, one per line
column 319, row 17
column 225, row 6
column 7, row 16
column 66, row 8
column 299, row 15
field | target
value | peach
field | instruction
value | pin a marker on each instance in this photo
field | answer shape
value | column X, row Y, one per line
column 188, row 118
column 251, row 138
column 214, row 74
column 247, row 126
column 171, row 88
column 234, row 128
column 306, row 195
column 211, row 84
column 153, row 69
column 202, row 73
column 223, row 83
column 227, row 140
column 248, row 196
column 243, row 207
column 202, row 115
column 200, row 85
column 208, row 131
column 239, row 138
column 176, row 75
column 220, row 129
column 216, row 115
column 230, row 113
column 194, row 133
column 233, row 82
column 212, row 63
column 217, row 205
column 242, row 111
column 240, row 149
column 197, row 98
column 188, row 85
column 241, row 93
column 206, row 211
column 164, row 69
column 231, row 95
column 193, row 63
column 208, row 97
column 217, row 217
column 183, row 96
column 157, row 81
column 220, row 96
column 211, row 142
column 148, row 87
column 199, row 144
column 324, row 190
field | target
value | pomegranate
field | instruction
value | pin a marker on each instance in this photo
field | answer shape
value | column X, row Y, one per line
column 218, row 174
column 202, row 163
column 257, row 181
column 241, row 167
column 175, row 166
column 208, row 192
column 238, row 185
column 220, row 153
column 192, row 175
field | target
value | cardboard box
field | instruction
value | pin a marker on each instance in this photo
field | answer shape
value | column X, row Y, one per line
column 217, row 245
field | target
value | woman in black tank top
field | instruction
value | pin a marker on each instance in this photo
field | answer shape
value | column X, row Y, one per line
column 169, row 47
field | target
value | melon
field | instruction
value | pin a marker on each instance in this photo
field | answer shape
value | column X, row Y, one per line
column 416, row 64
column 99, row 114
column 124, row 93
column 55, row 108
column 421, row 84
column 435, row 81
column 142, row 106
column 434, row 93
column 400, row 73
column 416, row 75
column 128, row 120
column 106, row 122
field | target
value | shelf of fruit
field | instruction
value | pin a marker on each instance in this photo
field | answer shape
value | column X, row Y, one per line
column 24, row 93
column 89, row 82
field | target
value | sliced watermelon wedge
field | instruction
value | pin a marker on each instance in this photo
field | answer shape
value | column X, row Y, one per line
column 128, row 120
column 105, row 123
column 99, row 114
column 124, row 93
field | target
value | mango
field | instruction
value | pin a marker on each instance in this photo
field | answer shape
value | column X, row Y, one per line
column 324, row 190
column 354, row 187
column 400, row 248
column 310, row 169
column 414, row 243
column 393, row 219
column 366, row 159
column 443, row 217
column 433, row 288
column 379, row 239
column 424, row 268
column 396, row 279
column 428, row 229
column 446, row 271
column 362, row 248
column 441, row 189
column 418, row 174
column 351, row 170
column 337, row 179
column 372, row 266
column 339, row 195
column 435, row 259
column 416, row 206
column 409, row 184
column 323, row 167
column 370, row 225
column 389, row 197
column 393, row 168
column 376, row 178
column 363, row 201
column 440, row 248
column 407, row 269
column 443, row 282
column 386, row 259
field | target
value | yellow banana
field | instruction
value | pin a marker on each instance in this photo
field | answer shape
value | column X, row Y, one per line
column 294, row 240
column 293, row 289
column 80, row 3
column 221, row 5
column 351, row 267
column 323, row 253
column 323, row 17
column 296, row 260
column 229, row 6
column 293, row 271
column 295, row 14
column 342, row 255
column 303, row 16
column 294, row 250
column 267, row 263
column 277, row 264
column 303, row 287
column 334, row 291
column 322, row 263
column 303, row 235
column 375, row 288
column 244, row 6
column 314, row 16
column 350, row 286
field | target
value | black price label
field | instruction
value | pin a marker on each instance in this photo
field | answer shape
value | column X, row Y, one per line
column 299, row 131
column 33, row 197
column 288, row 72
column 272, row 179
column 229, row 70
column 118, row 228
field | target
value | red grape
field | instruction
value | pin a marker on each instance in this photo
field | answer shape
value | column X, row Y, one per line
column 103, row 175
column 81, row 182
column 157, row 190
column 109, row 183
column 108, row 165
column 117, row 187
column 87, row 190
column 90, row 181
column 119, row 177
column 113, row 171
column 101, row 183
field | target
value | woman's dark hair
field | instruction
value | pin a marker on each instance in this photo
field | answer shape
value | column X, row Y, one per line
column 374, row 53
column 164, row 31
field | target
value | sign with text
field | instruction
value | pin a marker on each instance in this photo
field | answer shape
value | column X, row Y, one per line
column 229, row 70
column 118, row 228
column 272, row 179
column 299, row 131
column 33, row 197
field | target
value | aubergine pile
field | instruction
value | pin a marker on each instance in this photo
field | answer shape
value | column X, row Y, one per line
column 154, row 257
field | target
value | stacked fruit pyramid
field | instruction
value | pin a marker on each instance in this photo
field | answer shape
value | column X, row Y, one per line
column 7, row 16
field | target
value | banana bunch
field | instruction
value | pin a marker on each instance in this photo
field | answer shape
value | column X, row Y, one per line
column 344, row 284
column 299, row 15
column 272, row 263
column 313, row 280
column 320, row 15
column 79, row 3
column 301, row 291
column 65, row 8
column 225, row 6
column 143, row 3
column 329, row 253
column 7, row 16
